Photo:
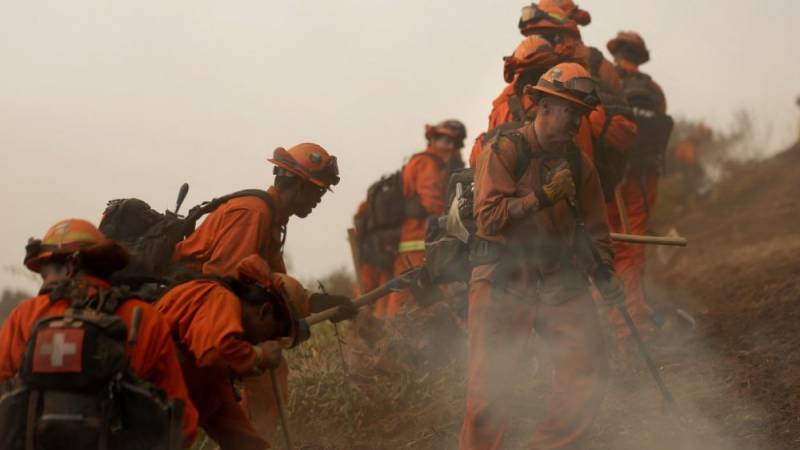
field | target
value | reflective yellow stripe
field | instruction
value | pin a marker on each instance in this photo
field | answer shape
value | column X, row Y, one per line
column 411, row 246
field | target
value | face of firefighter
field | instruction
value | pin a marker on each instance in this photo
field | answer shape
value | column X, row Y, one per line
column 445, row 146
column 557, row 121
column 260, row 324
column 307, row 198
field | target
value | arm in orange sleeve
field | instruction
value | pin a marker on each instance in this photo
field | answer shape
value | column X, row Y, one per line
column 593, row 210
column 496, row 197
column 215, row 336
column 618, row 131
column 154, row 358
column 242, row 233
column 12, row 344
column 428, row 184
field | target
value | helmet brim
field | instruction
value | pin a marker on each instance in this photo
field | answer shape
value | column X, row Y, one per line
column 531, row 89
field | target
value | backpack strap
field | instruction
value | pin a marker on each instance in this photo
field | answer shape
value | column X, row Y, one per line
column 523, row 147
column 575, row 163
column 517, row 111
column 208, row 207
column 595, row 61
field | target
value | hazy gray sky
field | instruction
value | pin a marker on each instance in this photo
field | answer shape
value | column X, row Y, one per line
column 101, row 100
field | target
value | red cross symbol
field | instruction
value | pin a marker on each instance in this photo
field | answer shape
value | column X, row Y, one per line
column 58, row 350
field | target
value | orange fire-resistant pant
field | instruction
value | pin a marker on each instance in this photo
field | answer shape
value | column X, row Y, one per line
column 260, row 404
column 398, row 301
column 639, row 194
column 222, row 417
column 372, row 277
column 500, row 325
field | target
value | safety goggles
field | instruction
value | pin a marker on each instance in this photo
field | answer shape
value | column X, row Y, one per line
column 581, row 88
column 450, row 139
column 329, row 174
column 532, row 13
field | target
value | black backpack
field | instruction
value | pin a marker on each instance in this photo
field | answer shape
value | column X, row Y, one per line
column 654, row 127
column 610, row 164
column 151, row 236
column 378, row 229
column 76, row 390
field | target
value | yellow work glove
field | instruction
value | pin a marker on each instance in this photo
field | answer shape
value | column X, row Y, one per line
column 560, row 187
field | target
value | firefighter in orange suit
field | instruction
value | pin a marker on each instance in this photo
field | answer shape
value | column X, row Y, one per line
column 221, row 326
column 638, row 188
column 75, row 251
column 425, row 179
column 248, row 225
column 525, row 274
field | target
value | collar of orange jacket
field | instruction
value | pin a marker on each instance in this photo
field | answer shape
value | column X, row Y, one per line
column 85, row 280
column 627, row 66
column 444, row 155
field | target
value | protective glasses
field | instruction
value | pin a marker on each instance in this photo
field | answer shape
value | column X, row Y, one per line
column 581, row 88
column 449, row 139
column 328, row 174
column 532, row 13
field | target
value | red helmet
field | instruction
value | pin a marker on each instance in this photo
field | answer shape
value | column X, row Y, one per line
column 309, row 162
column 451, row 127
column 536, row 19
column 632, row 41
column 580, row 16
column 533, row 51
column 78, row 237
column 569, row 81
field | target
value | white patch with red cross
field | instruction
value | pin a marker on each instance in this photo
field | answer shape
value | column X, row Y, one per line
column 58, row 350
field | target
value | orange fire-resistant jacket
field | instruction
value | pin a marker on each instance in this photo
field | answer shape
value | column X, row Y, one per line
column 551, row 229
column 241, row 227
column 206, row 321
column 152, row 358
column 238, row 228
column 424, row 179
column 621, row 131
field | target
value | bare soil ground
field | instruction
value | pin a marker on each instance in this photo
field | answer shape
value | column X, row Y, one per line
column 736, row 379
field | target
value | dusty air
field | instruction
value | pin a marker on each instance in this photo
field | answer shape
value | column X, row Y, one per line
column 254, row 226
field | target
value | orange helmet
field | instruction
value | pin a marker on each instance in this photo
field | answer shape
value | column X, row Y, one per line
column 293, row 296
column 535, row 19
column 632, row 41
column 309, row 162
column 297, row 300
column 80, row 237
column 569, row 81
column 451, row 127
column 533, row 51
column 580, row 16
